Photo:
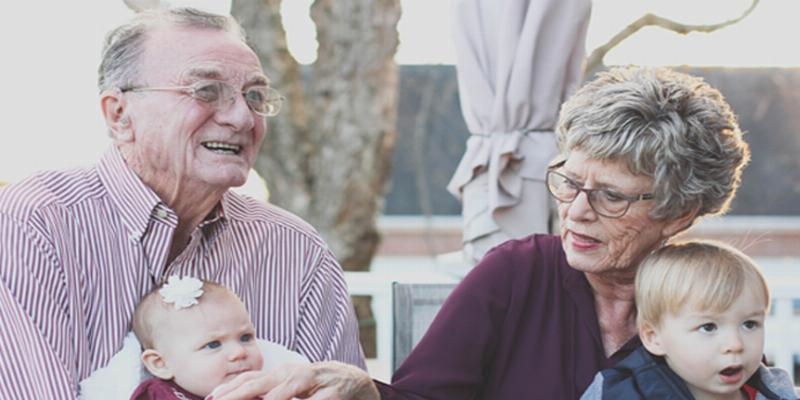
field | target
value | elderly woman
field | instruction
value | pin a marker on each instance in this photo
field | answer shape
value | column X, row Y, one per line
column 644, row 154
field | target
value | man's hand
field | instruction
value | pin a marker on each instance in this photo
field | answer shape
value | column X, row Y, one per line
column 328, row 380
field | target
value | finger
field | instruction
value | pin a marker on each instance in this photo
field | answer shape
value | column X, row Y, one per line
column 246, row 386
column 287, row 391
column 226, row 387
column 288, row 382
column 300, row 384
column 325, row 394
column 342, row 381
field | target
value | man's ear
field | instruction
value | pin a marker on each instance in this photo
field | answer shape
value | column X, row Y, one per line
column 156, row 365
column 651, row 339
column 114, row 107
column 681, row 223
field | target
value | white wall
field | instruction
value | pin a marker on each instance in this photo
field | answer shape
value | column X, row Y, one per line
column 50, row 110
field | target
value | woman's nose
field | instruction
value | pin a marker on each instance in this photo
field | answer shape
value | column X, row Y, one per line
column 580, row 208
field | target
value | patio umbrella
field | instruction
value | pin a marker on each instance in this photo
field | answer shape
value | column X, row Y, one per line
column 517, row 61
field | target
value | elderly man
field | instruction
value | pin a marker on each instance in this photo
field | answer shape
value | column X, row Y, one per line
column 185, row 100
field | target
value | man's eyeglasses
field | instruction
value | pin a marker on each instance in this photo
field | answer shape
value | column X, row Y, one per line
column 604, row 202
column 263, row 100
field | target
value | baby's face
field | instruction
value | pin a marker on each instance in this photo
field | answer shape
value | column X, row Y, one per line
column 715, row 352
column 209, row 344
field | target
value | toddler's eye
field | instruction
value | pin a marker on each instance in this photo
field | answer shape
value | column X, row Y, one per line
column 750, row 325
column 708, row 328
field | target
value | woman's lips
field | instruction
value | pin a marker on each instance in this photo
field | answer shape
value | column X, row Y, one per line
column 583, row 241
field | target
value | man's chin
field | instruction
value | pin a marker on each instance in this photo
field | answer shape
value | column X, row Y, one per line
column 227, row 178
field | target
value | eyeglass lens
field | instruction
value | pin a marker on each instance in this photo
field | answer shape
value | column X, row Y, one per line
column 261, row 99
column 604, row 202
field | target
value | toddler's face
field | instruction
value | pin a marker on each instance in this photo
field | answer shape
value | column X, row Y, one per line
column 715, row 353
column 209, row 344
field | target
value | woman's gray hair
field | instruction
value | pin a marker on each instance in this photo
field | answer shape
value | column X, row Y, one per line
column 124, row 45
column 670, row 126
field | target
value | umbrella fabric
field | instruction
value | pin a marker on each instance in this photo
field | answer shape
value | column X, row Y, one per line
column 517, row 61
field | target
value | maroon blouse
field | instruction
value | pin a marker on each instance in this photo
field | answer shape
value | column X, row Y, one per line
column 521, row 325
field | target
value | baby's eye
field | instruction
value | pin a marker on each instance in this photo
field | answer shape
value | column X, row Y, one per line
column 750, row 325
column 246, row 337
column 708, row 327
column 213, row 344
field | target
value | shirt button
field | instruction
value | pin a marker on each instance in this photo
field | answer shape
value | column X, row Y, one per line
column 161, row 213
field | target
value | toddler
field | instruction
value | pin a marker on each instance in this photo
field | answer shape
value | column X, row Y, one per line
column 701, row 308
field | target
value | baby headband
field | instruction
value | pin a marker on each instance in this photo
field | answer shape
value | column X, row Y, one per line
column 183, row 292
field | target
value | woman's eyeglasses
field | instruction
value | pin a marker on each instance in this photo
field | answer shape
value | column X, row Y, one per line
column 607, row 203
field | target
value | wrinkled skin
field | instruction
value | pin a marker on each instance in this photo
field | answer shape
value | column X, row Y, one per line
column 319, row 381
column 609, row 248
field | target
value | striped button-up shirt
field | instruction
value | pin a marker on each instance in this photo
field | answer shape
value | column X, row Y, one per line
column 79, row 248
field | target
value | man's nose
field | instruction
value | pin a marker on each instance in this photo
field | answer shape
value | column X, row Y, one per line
column 233, row 111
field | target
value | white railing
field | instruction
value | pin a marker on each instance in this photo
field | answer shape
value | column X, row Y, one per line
column 782, row 342
column 378, row 284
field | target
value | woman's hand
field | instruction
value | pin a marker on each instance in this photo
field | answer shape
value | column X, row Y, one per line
column 327, row 380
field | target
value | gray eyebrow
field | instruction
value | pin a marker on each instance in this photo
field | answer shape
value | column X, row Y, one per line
column 205, row 73
column 601, row 186
column 258, row 80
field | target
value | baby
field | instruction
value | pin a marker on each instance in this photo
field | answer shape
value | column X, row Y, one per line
column 196, row 335
column 701, row 309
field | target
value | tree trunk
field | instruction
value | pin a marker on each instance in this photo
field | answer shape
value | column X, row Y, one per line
column 285, row 154
column 332, row 168
column 327, row 156
column 355, row 102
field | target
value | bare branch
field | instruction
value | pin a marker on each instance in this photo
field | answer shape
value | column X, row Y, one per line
column 595, row 59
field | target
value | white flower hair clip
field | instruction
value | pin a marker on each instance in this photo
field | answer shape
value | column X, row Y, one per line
column 183, row 292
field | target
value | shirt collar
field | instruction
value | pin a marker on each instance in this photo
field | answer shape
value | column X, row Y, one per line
column 138, row 203
column 218, row 213
column 212, row 226
column 134, row 200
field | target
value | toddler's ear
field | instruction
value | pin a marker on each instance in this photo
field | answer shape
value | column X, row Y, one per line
column 155, row 364
column 651, row 339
